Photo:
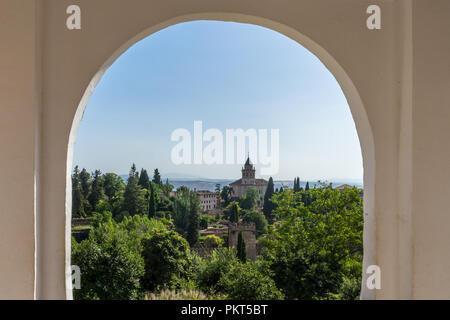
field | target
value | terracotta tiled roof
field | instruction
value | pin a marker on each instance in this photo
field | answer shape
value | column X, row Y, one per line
column 259, row 182
column 236, row 182
column 344, row 186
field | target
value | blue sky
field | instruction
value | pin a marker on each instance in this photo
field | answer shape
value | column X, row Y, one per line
column 229, row 76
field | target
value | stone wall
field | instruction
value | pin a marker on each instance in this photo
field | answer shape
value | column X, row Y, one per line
column 249, row 234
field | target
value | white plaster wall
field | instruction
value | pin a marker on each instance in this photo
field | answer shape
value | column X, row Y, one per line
column 431, row 150
column 18, row 113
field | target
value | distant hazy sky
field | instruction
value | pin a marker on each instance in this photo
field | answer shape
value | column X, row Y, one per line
column 228, row 75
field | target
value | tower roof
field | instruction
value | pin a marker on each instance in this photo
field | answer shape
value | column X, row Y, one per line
column 247, row 163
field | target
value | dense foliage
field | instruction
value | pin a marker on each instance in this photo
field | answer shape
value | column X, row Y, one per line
column 315, row 250
column 258, row 218
column 241, row 250
column 167, row 261
column 110, row 262
column 244, row 281
column 142, row 241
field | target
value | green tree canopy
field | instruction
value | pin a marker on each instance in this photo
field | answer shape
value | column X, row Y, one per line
column 167, row 261
column 226, row 194
column 134, row 197
column 315, row 249
column 157, row 177
column 297, row 184
column 85, row 181
column 77, row 195
column 194, row 220
column 144, row 180
column 152, row 205
column 232, row 212
column 111, row 269
column 258, row 219
column 97, row 193
column 186, row 210
column 213, row 268
column 251, row 199
column 268, row 205
column 167, row 188
column 212, row 241
column 245, row 282
column 112, row 185
column 241, row 249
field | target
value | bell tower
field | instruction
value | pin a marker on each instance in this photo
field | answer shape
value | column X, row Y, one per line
column 248, row 173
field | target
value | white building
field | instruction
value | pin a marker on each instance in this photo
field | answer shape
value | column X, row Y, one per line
column 208, row 199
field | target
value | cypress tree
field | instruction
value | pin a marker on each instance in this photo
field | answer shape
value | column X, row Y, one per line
column 241, row 250
column 131, row 195
column 167, row 188
column 306, row 198
column 217, row 190
column 157, row 177
column 144, row 180
column 194, row 221
column 77, row 195
column 85, row 185
column 268, row 205
column 85, row 181
column 234, row 213
column 96, row 190
column 226, row 196
column 112, row 185
column 297, row 184
column 152, row 203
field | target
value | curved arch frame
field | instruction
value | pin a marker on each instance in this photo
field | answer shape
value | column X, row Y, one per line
column 349, row 89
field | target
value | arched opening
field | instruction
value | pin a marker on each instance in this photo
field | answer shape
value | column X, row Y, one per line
column 344, row 81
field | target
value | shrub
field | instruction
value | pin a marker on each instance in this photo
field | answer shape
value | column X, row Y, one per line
column 167, row 261
column 205, row 220
column 258, row 219
column 315, row 249
column 213, row 241
column 350, row 289
column 139, row 227
column 213, row 267
column 232, row 212
column 245, row 282
column 241, row 250
column 102, row 206
column 110, row 269
column 178, row 295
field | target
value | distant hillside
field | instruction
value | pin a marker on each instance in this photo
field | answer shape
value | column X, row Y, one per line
column 210, row 184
